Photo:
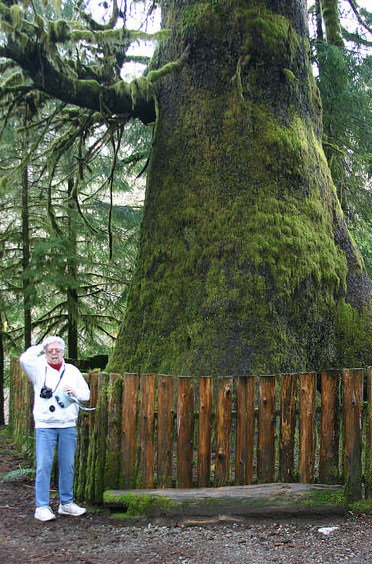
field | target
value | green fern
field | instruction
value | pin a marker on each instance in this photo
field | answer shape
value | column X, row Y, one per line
column 15, row 474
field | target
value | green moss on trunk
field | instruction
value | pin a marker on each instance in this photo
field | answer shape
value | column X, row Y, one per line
column 245, row 263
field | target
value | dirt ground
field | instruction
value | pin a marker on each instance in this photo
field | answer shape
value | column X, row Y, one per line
column 97, row 538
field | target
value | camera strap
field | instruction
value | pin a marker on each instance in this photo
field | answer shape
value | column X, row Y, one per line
column 60, row 378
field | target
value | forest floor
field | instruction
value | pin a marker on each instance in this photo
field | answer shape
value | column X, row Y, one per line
column 97, row 538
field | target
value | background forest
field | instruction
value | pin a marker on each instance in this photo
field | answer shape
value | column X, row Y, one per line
column 71, row 189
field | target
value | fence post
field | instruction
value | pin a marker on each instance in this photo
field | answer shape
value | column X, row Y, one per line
column 128, row 430
column 205, row 428
column 287, row 426
column 329, row 433
column 12, row 393
column 165, row 430
column 266, row 430
column 112, row 461
column 97, row 445
column 185, row 431
column 353, row 397
column 223, row 428
column 368, row 472
column 244, row 430
column 145, row 472
column 82, row 445
column 307, row 426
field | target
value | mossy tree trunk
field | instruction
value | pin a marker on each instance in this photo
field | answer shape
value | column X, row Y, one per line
column 245, row 263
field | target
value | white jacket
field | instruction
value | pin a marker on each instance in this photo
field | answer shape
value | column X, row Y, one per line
column 41, row 373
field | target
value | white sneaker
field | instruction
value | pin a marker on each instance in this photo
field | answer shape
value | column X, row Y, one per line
column 71, row 509
column 44, row 513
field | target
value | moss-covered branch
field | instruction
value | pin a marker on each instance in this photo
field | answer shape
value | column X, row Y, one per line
column 33, row 47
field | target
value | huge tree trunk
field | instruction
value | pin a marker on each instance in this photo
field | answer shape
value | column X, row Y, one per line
column 245, row 263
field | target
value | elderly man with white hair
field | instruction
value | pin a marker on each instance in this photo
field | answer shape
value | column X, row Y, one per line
column 55, row 422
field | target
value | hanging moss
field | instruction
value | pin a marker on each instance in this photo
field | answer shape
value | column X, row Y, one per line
column 16, row 15
column 59, row 30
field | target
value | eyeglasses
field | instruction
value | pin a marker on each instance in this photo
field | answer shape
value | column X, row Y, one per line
column 51, row 351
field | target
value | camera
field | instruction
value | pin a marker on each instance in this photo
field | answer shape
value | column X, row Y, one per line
column 46, row 393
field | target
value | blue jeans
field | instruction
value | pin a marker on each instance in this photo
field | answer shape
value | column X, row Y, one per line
column 46, row 442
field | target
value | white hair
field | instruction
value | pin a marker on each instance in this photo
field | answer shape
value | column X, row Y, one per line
column 53, row 339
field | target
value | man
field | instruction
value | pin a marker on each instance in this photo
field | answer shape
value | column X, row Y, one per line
column 55, row 422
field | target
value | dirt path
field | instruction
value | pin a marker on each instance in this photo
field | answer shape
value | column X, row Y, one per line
column 98, row 539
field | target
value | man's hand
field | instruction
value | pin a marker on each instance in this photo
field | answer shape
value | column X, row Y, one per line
column 69, row 390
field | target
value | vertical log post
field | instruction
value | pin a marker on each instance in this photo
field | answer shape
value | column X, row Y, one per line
column 88, row 492
column 223, row 428
column 368, row 471
column 128, row 430
column 83, row 444
column 353, row 398
column 29, row 409
column 97, row 445
column 14, row 363
column 205, row 427
column 100, row 429
column 112, row 462
column 244, row 430
column 145, row 475
column 18, row 404
column 307, row 426
column 165, row 430
column 287, row 426
column 185, row 431
column 329, row 434
column 266, row 430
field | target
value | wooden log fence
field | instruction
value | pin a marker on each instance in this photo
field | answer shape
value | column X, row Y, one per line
column 160, row 431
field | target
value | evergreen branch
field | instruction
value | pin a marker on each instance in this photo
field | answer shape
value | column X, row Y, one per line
column 350, row 36
column 94, row 25
column 362, row 22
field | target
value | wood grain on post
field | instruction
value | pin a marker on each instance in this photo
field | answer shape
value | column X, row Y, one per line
column 329, row 432
column 185, row 431
column 266, row 430
column 113, row 441
column 145, row 475
column 93, row 385
column 128, row 429
column 287, row 426
column 244, row 430
column 88, row 494
column 165, row 430
column 369, row 436
column 353, row 398
column 224, row 387
column 307, row 426
column 100, row 432
column 82, row 449
column 205, row 426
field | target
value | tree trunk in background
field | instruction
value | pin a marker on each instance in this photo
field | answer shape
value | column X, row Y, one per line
column 245, row 262
column 319, row 20
column 26, row 285
column 72, row 295
column 332, row 22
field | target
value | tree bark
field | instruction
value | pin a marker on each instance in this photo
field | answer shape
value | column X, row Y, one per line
column 245, row 263
column 26, row 285
column 72, row 272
